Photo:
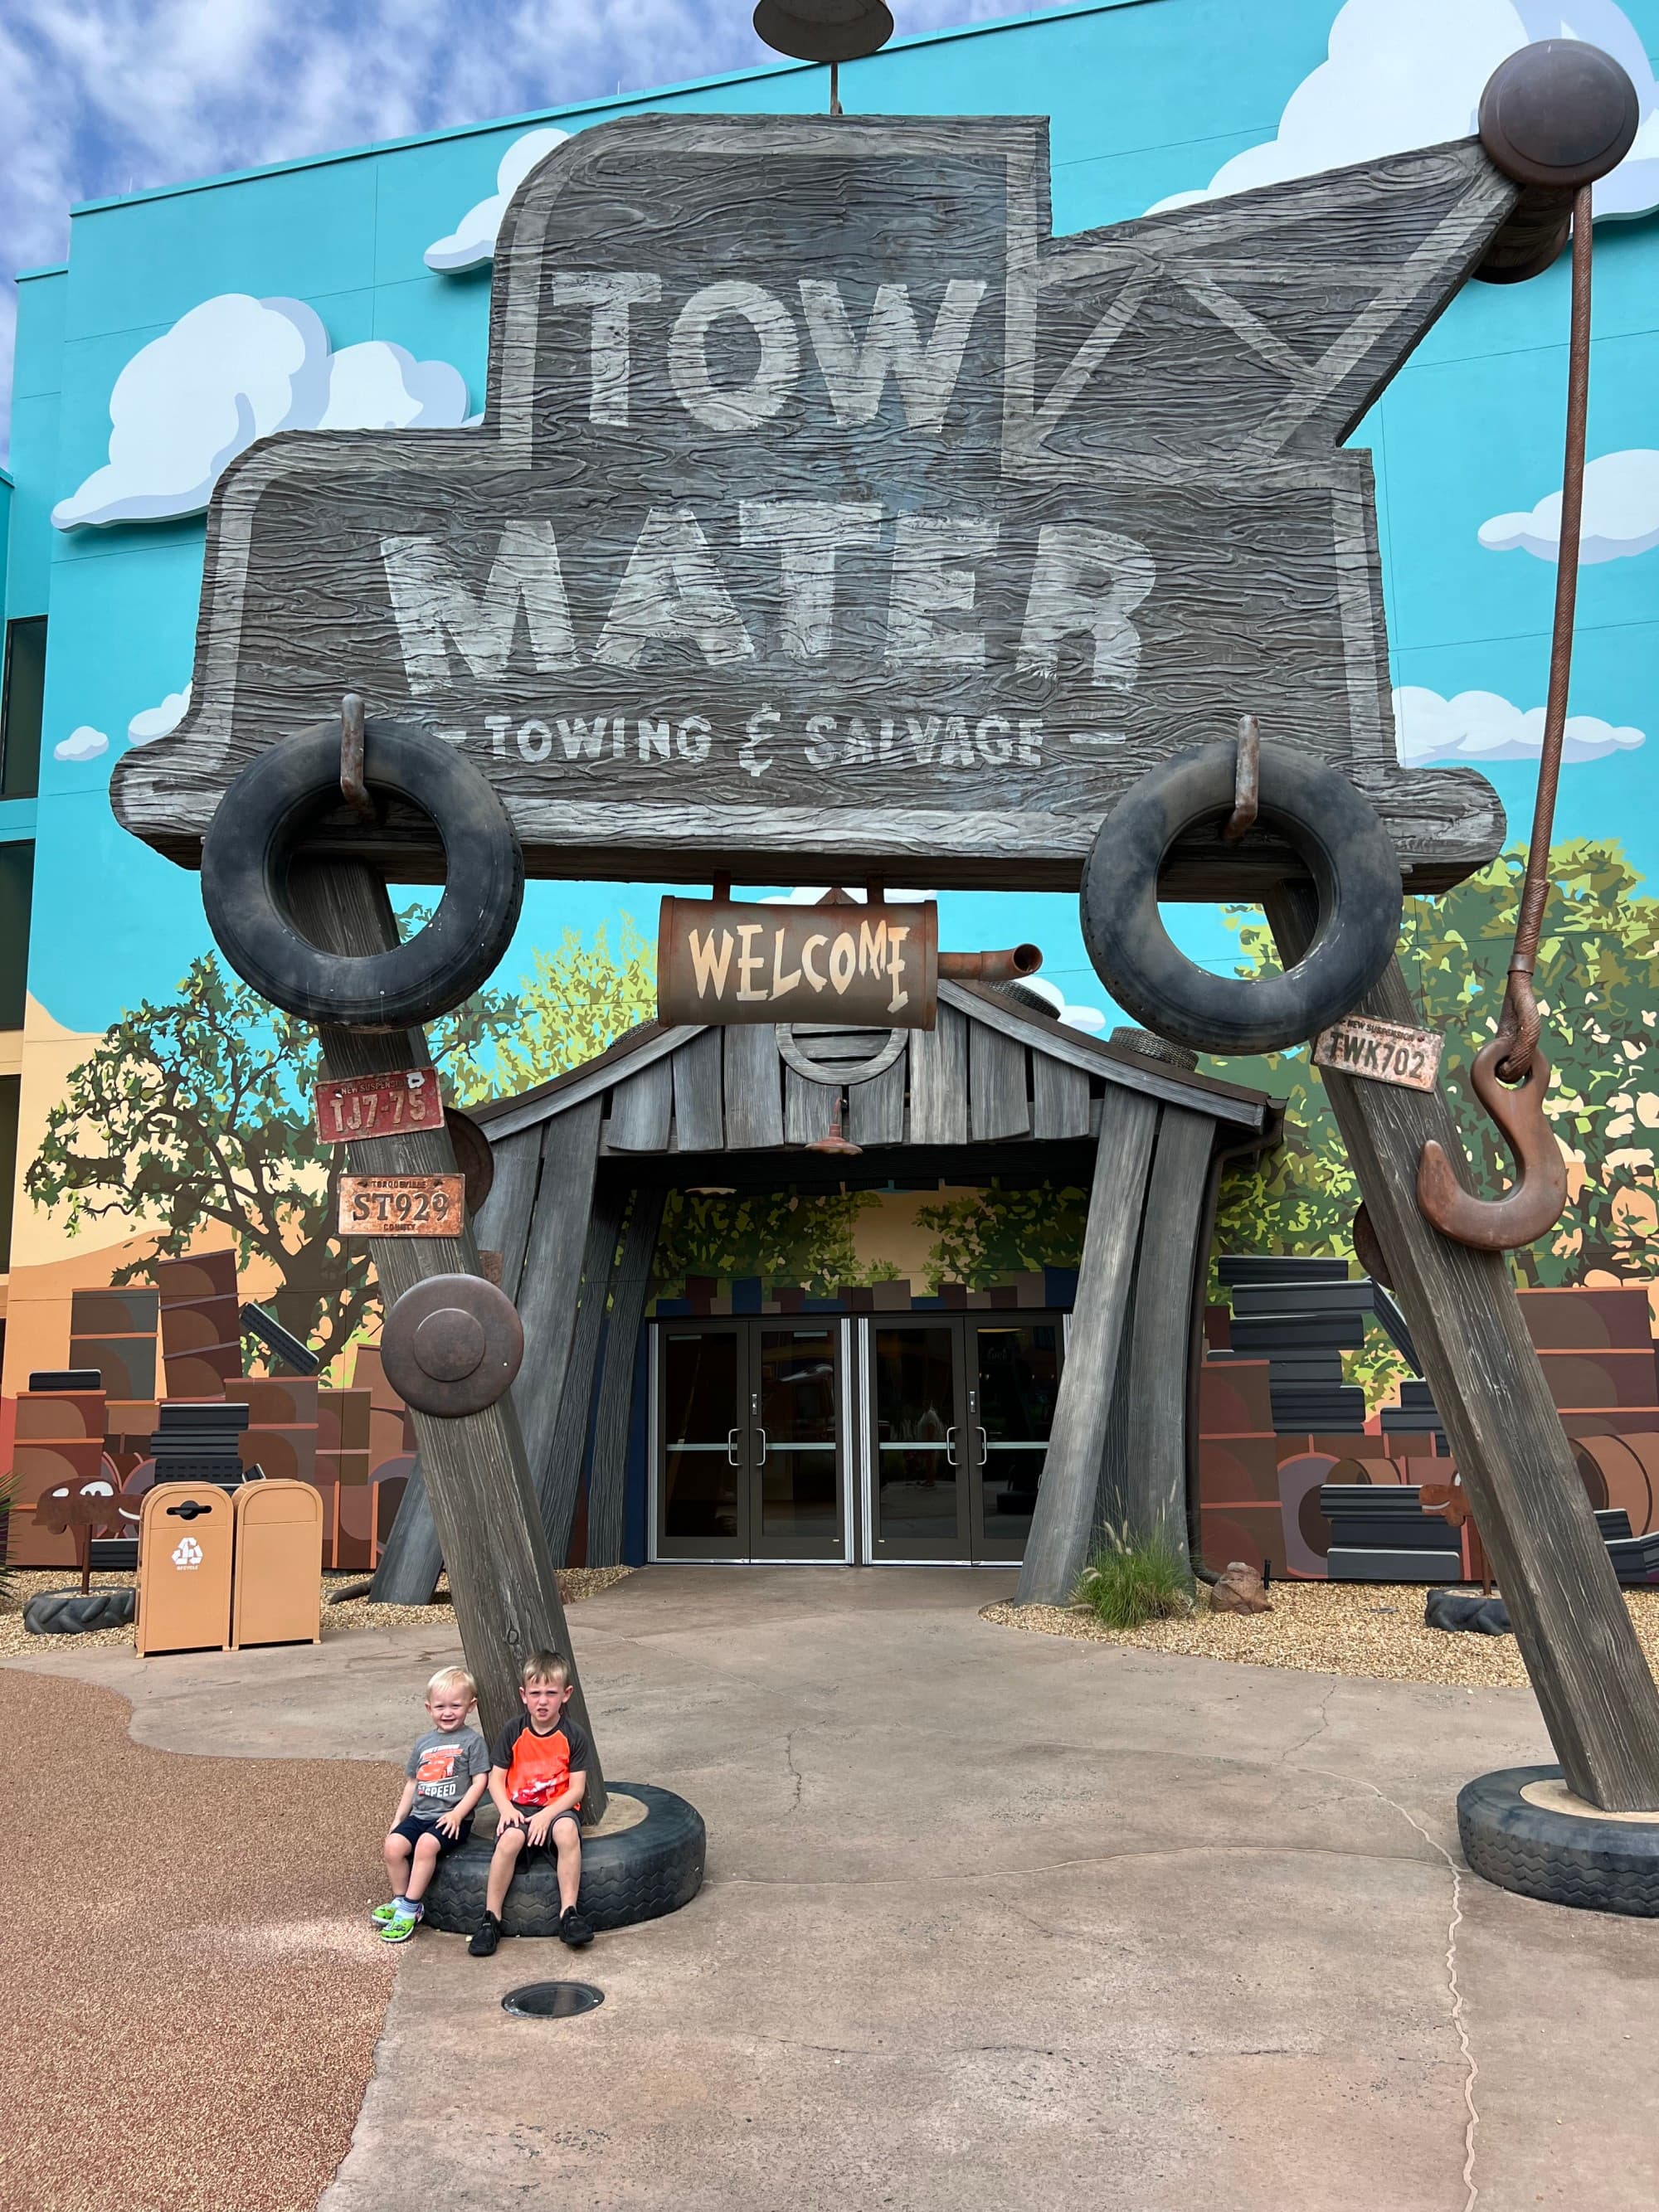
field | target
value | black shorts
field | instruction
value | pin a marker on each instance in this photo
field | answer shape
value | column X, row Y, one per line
column 528, row 1812
column 413, row 1830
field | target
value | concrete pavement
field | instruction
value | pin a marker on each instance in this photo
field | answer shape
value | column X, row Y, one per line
column 990, row 1918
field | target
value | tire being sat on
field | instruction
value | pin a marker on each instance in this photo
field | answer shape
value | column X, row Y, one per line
column 636, row 1874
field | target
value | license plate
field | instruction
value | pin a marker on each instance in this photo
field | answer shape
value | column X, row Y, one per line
column 402, row 1206
column 1382, row 1052
column 379, row 1105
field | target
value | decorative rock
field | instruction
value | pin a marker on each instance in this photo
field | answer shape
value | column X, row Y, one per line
column 1239, row 1590
column 1453, row 1610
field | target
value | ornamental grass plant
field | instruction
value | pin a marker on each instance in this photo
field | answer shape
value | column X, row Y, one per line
column 1131, row 1580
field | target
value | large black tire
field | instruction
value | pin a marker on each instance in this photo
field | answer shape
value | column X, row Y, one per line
column 639, row 1874
column 1341, row 841
column 1603, row 1866
column 67, row 1613
column 259, row 826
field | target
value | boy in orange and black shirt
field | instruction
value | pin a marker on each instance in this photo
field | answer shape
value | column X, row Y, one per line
column 538, row 1773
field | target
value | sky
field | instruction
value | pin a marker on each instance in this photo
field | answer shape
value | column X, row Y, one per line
column 111, row 96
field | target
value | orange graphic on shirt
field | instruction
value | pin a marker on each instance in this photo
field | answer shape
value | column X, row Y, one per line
column 437, row 1765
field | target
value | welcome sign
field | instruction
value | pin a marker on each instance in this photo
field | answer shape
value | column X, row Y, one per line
column 828, row 513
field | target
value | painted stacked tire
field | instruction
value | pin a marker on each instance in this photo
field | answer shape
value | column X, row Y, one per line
column 1341, row 843
column 638, row 1873
column 1601, row 1866
column 260, row 828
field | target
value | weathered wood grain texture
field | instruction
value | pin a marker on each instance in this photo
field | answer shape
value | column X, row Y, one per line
column 1189, row 374
column 1060, row 1097
column 1599, row 1701
column 642, row 1108
column 1148, row 1493
column 808, row 1109
column 753, row 1090
column 699, row 1114
column 503, row 1220
column 408, row 1566
column 551, row 1284
column 502, row 1575
column 998, row 1105
column 1057, row 1548
column 875, row 1109
column 561, row 1487
column 938, row 1080
column 607, row 1481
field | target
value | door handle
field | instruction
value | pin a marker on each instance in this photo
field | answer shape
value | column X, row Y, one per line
column 984, row 1445
column 951, row 1445
column 731, row 1448
column 761, row 1433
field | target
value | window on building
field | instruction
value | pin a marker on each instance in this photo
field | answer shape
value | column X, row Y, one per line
column 17, row 887
column 22, row 697
column 11, row 1090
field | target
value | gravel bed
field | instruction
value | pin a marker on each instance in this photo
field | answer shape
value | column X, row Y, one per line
column 194, row 1990
column 1371, row 1629
column 574, row 1584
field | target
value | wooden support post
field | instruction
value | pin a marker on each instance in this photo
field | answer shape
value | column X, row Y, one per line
column 570, row 1444
column 1146, row 1494
column 408, row 1567
column 611, row 1420
column 551, row 1282
column 478, row 1483
column 1599, row 1701
column 1057, row 1549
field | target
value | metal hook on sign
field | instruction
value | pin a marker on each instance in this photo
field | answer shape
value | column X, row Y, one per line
column 1538, row 1197
column 353, row 789
column 1247, row 780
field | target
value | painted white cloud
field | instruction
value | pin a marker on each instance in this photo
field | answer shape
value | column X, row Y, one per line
column 472, row 244
column 1405, row 73
column 234, row 369
column 1621, row 512
column 1089, row 1019
column 82, row 745
column 810, row 894
column 1480, row 726
column 154, row 722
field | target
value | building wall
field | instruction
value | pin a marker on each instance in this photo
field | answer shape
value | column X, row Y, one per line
column 1147, row 97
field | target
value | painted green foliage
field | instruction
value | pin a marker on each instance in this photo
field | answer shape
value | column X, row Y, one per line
column 576, row 1001
column 984, row 1238
column 781, row 1236
column 1598, row 985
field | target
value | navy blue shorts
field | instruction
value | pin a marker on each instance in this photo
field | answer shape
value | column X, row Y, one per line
column 413, row 1830
column 528, row 1813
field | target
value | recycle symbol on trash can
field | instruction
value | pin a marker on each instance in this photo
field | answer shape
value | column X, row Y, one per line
column 187, row 1552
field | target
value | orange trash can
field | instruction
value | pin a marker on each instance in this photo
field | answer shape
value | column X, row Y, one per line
column 186, row 1541
column 278, row 1592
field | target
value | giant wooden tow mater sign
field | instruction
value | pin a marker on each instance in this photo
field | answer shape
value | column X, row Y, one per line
column 826, row 507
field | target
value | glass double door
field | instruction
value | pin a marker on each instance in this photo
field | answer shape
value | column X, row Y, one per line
column 749, row 1445
column 960, row 1410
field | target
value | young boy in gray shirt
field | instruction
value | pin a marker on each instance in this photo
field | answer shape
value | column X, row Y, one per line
column 447, row 1771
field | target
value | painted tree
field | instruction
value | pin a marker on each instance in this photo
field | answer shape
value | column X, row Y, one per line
column 576, row 1000
column 1598, row 989
column 781, row 1236
column 989, row 1235
column 196, row 1114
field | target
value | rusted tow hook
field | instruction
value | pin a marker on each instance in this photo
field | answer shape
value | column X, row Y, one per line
column 1538, row 1197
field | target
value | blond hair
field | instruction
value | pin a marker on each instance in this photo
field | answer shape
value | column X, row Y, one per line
column 452, row 1678
column 544, row 1667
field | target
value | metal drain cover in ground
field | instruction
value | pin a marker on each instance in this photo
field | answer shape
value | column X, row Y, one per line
column 552, row 2000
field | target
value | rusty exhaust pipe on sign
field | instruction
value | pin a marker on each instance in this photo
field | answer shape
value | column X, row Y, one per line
column 1007, row 967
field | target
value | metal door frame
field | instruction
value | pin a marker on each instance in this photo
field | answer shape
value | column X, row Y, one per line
column 747, row 1328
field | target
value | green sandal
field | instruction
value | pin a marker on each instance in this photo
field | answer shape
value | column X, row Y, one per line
column 382, row 1913
column 399, row 1928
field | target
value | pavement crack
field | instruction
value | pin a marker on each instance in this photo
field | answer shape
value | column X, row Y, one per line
column 791, row 1768
column 1318, row 1727
column 1454, row 1989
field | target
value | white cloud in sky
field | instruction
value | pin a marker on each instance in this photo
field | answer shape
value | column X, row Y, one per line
column 1621, row 512
column 82, row 745
column 152, row 722
column 810, row 894
column 1087, row 1018
column 1480, row 726
column 231, row 370
column 472, row 241
column 1405, row 73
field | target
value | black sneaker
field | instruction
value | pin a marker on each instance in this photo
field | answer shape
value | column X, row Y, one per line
column 574, row 1929
column 488, row 1936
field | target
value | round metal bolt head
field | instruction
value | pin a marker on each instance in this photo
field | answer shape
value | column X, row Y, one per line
column 1559, row 112
column 449, row 1344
